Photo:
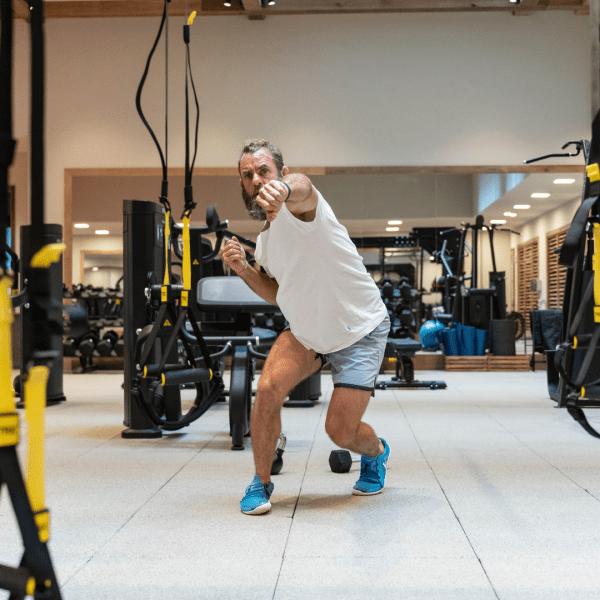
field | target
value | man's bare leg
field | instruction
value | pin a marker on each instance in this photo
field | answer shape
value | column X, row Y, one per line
column 288, row 363
column 344, row 425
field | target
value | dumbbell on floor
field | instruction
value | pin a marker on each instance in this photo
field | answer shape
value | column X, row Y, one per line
column 340, row 461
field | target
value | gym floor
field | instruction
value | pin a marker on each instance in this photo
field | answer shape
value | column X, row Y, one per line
column 491, row 493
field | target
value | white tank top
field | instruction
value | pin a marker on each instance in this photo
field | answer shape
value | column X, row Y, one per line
column 325, row 291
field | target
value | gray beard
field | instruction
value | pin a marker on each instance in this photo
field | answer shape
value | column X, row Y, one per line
column 255, row 212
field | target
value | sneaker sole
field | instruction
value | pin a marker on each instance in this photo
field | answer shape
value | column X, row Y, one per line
column 359, row 493
column 259, row 510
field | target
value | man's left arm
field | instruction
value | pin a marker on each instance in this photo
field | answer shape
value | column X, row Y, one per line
column 295, row 190
column 302, row 196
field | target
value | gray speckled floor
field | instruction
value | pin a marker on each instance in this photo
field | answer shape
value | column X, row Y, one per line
column 491, row 493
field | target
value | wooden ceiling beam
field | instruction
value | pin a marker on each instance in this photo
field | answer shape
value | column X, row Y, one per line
column 21, row 10
column 252, row 9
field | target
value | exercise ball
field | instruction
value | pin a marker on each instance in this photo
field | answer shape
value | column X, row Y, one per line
column 430, row 334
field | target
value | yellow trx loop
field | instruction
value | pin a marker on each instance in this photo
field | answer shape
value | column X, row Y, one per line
column 35, row 405
column 187, row 261
column 167, row 279
column 596, row 266
column 9, row 420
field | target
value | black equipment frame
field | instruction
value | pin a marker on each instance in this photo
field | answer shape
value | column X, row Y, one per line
column 578, row 353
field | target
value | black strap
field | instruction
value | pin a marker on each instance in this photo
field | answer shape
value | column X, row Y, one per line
column 7, row 143
column 577, row 413
column 189, row 169
column 571, row 245
column 138, row 102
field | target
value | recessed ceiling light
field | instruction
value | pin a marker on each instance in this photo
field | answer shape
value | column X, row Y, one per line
column 564, row 181
column 81, row 226
column 392, row 228
column 510, row 214
column 497, row 221
column 394, row 222
column 540, row 195
column 272, row 2
column 227, row 4
column 521, row 206
column 94, row 269
column 102, row 232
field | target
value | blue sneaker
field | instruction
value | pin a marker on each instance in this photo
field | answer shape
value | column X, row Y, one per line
column 256, row 500
column 372, row 473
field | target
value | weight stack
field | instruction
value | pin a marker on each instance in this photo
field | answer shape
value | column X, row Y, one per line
column 30, row 330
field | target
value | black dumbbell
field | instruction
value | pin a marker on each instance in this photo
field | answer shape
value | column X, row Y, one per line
column 120, row 347
column 109, row 341
column 340, row 461
column 88, row 344
column 70, row 346
column 278, row 459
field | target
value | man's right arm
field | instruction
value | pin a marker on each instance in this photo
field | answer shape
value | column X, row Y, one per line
column 260, row 283
column 234, row 257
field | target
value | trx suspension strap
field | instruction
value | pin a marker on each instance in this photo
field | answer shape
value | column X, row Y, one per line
column 35, row 574
column 176, row 301
column 164, row 193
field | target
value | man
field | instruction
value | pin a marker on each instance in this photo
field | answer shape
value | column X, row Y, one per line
column 334, row 309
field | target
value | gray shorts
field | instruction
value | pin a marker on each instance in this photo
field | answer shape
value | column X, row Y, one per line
column 357, row 366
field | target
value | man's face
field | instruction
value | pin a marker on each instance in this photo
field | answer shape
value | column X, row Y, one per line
column 256, row 170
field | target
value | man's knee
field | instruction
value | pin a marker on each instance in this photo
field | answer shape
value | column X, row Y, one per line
column 339, row 431
column 270, row 393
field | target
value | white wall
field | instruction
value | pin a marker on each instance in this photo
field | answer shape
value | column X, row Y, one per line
column 388, row 89
column 92, row 242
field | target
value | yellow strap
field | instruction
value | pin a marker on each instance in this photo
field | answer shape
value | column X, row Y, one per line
column 166, row 279
column 191, row 18
column 596, row 267
column 49, row 254
column 30, row 589
column 7, row 395
column 187, row 264
column 593, row 172
column 42, row 520
column 35, row 405
column 9, row 430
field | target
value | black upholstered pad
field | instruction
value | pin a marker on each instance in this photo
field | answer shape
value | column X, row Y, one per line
column 404, row 344
column 229, row 294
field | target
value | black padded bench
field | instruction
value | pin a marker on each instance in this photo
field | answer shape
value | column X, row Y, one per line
column 403, row 350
